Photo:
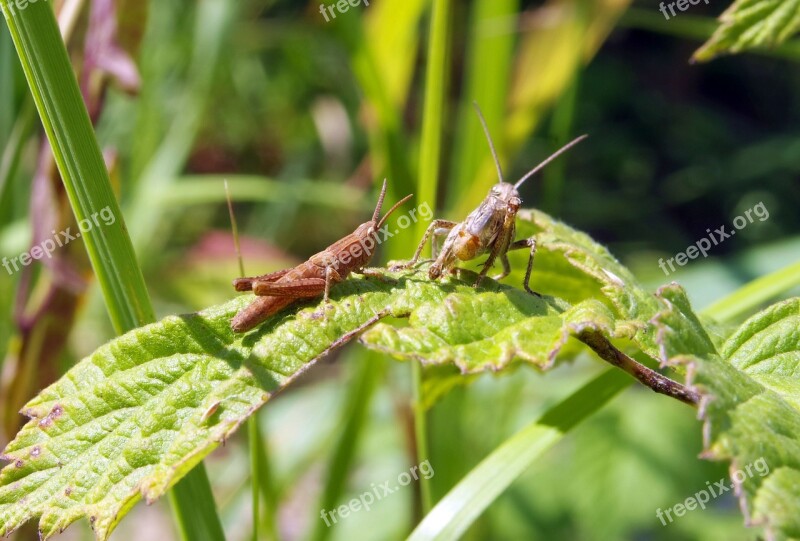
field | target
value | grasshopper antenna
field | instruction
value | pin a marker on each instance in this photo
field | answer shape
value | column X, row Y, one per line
column 234, row 229
column 377, row 212
column 391, row 210
column 552, row 157
column 491, row 143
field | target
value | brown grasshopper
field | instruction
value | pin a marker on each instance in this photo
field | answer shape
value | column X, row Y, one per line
column 314, row 277
column 489, row 228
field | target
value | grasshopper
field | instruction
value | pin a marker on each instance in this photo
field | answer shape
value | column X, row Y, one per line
column 489, row 228
column 314, row 277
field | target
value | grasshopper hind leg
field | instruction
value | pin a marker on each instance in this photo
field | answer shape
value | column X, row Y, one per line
column 246, row 283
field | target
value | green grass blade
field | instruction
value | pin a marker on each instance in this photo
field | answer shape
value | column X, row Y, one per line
column 433, row 111
column 388, row 145
column 254, row 444
column 751, row 295
column 55, row 91
column 205, row 189
column 469, row 498
column 194, row 509
column 429, row 169
column 12, row 151
column 554, row 177
column 7, row 75
column 267, row 486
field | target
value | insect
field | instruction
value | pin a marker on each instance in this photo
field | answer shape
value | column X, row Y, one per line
column 314, row 277
column 489, row 228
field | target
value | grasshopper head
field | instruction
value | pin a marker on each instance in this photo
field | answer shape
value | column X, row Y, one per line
column 368, row 231
column 504, row 194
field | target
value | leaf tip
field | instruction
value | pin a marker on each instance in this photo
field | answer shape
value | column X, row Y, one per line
column 55, row 413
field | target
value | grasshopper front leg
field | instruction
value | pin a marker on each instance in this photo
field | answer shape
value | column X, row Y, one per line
column 331, row 276
column 500, row 247
column 445, row 225
column 527, row 243
column 486, row 266
column 506, row 268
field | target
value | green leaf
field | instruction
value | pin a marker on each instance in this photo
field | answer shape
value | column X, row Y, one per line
column 570, row 265
column 750, row 24
column 751, row 412
column 680, row 331
column 134, row 417
column 486, row 331
column 131, row 419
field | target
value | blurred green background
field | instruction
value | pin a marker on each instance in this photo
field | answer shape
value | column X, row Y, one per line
column 303, row 117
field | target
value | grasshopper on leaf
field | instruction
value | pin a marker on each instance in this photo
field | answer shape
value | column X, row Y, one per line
column 489, row 228
column 277, row 290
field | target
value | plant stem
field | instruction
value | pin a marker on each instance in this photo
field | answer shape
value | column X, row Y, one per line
column 421, row 435
column 650, row 378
